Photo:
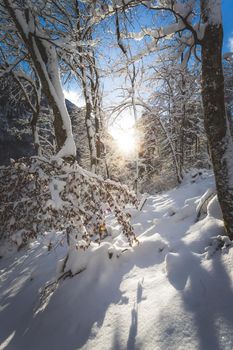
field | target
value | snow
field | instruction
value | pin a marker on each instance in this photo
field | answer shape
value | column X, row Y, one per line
column 56, row 187
column 52, row 75
column 157, row 33
column 69, row 148
column 172, row 291
column 227, row 55
column 214, row 11
column 200, row 30
column 214, row 209
column 210, row 192
column 184, row 8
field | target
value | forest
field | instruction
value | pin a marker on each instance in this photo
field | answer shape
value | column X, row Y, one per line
column 116, row 174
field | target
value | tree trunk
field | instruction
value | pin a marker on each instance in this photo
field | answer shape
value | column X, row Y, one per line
column 60, row 132
column 215, row 118
column 39, row 56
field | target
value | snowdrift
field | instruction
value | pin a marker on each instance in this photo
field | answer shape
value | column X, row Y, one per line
column 172, row 291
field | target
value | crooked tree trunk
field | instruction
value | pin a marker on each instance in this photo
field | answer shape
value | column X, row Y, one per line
column 60, row 132
column 40, row 58
column 215, row 117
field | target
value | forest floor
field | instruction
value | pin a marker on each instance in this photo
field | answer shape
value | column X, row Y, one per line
column 173, row 291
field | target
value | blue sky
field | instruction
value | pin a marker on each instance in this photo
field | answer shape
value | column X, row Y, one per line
column 227, row 11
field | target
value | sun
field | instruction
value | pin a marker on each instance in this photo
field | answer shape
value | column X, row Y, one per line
column 126, row 141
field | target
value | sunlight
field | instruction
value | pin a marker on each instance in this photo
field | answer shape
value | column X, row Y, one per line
column 126, row 141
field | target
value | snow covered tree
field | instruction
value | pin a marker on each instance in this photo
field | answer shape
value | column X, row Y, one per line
column 83, row 66
column 25, row 26
column 177, row 103
column 216, row 121
column 44, row 39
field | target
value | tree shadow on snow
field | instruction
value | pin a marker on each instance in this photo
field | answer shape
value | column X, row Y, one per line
column 77, row 309
column 131, row 343
column 207, row 297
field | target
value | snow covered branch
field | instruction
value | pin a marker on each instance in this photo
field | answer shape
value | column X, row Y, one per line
column 41, row 195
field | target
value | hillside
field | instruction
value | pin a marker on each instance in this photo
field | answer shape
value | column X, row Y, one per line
column 15, row 132
column 173, row 291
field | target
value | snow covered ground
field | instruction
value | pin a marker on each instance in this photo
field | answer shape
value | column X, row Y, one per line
column 170, row 292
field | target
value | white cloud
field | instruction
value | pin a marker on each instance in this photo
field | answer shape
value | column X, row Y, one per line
column 74, row 97
column 230, row 43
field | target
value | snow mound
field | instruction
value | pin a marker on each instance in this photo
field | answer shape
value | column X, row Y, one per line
column 214, row 209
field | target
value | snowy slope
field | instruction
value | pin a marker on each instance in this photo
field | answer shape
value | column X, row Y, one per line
column 168, row 293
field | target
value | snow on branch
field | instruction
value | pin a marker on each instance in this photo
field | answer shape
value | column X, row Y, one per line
column 228, row 56
column 42, row 195
column 213, row 11
column 157, row 33
column 191, row 32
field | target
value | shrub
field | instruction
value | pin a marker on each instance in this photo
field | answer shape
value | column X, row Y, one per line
column 39, row 195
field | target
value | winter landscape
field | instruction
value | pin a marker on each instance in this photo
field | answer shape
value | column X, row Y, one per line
column 116, row 174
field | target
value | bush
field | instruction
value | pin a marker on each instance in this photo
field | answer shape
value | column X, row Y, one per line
column 39, row 195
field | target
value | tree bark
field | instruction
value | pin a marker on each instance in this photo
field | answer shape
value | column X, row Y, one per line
column 215, row 117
